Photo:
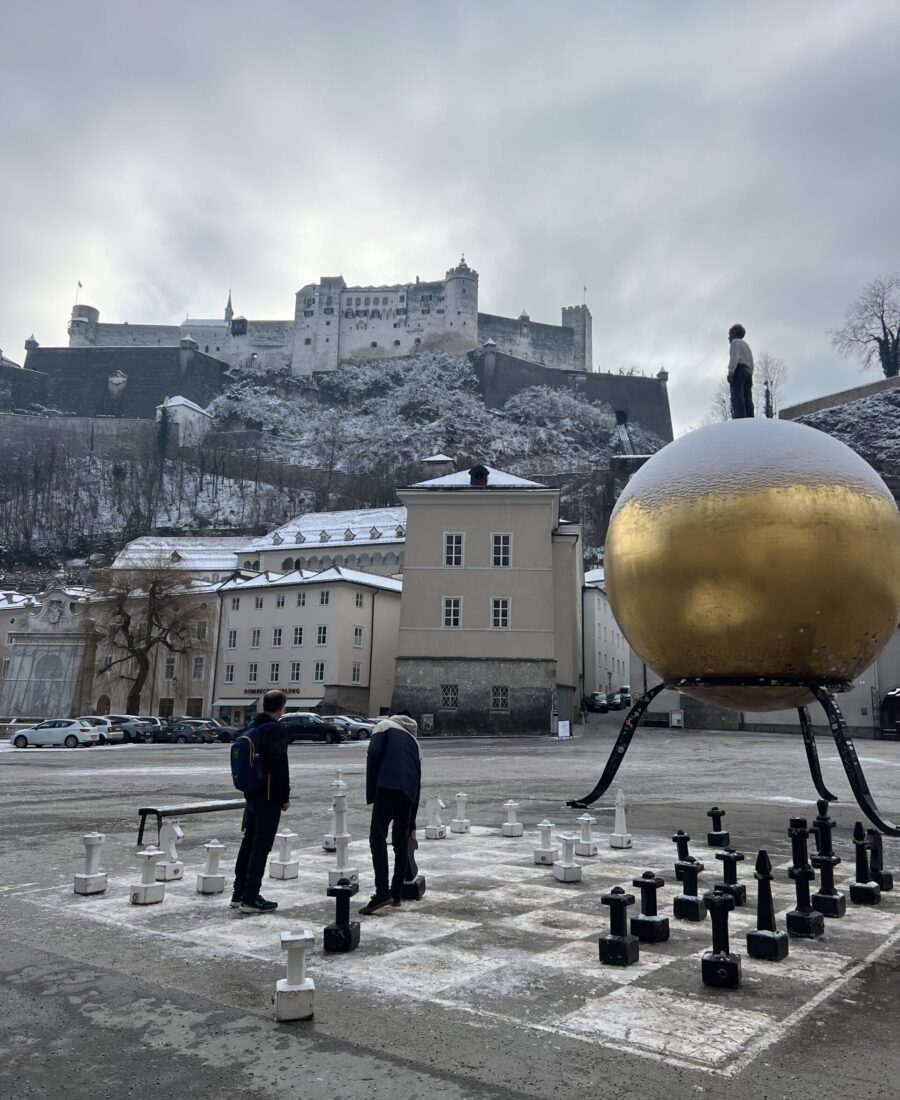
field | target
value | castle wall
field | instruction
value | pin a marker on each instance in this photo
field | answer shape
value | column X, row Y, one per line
column 104, row 335
column 78, row 433
column 550, row 345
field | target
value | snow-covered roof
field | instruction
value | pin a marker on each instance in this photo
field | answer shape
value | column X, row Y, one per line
column 316, row 529
column 595, row 576
column 171, row 402
column 438, row 458
column 217, row 553
column 335, row 574
column 496, row 479
column 10, row 599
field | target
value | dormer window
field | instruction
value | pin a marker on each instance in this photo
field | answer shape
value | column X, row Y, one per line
column 324, row 536
column 374, row 533
column 277, row 540
column 175, row 556
column 349, row 535
column 401, row 530
column 300, row 537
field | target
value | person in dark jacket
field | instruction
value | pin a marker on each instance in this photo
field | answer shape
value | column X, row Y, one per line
column 393, row 786
column 263, row 810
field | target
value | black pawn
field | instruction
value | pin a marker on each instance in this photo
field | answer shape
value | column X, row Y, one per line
column 730, row 858
column 803, row 920
column 718, row 838
column 865, row 891
column 689, row 905
column 720, row 967
column 681, row 839
column 766, row 942
column 618, row 948
column 826, row 900
column 648, row 926
column 876, row 861
column 414, row 884
column 343, row 935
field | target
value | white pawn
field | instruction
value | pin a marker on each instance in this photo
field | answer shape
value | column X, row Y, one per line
column 295, row 995
column 546, row 853
column 148, row 891
column 338, row 785
column 566, row 869
column 92, row 880
column 209, row 880
column 283, row 867
column 620, row 837
column 460, row 823
column 586, row 846
column 170, row 868
column 435, row 829
column 511, row 827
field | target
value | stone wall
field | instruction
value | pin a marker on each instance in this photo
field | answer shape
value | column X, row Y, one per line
column 829, row 401
column 551, row 345
column 81, row 433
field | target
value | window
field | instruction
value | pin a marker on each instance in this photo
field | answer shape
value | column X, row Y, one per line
column 356, row 673
column 107, row 662
column 274, row 672
column 321, row 635
column 201, row 631
column 258, row 602
column 319, row 673
column 235, row 603
column 499, row 697
column 324, row 596
column 170, row 668
column 232, row 639
column 298, row 635
column 197, row 671
column 359, row 599
column 166, row 708
column 500, row 551
column 500, row 613
column 301, row 599
column 279, row 600
column 252, row 672
column 254, row 638
column 449, row 696
column 295, row 672
column 453, row 549
column 452, row 612
column 229, row 674
column 276, row 636
column 194, row 707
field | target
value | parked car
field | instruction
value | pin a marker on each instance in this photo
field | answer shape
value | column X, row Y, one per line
column 194, row 731
column 159, row 727
column 70, row 732
column 111, row 733
column 598, row 702
column 135, row 728
column 301, row 726
column 358, row 729
column 615, row 702
column 224, row 731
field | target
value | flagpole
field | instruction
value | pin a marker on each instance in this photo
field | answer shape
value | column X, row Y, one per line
column 77, row 288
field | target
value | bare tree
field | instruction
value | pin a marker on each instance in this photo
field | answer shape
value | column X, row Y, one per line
column 769, row 377
column 872, row 328
column 720, row 409
column 327, row 443
column 141, row 611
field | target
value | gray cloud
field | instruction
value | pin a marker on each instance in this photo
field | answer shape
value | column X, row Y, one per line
column 691, row 164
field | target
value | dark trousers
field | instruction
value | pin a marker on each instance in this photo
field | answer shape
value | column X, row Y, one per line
column 261, row 820
column 741, row 393
column 390, row 806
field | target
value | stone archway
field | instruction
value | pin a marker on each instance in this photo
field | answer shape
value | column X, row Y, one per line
column 103, row 705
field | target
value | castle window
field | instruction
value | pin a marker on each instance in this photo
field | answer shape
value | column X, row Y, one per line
column 374, row 344
column 359, row 301
column 328, row 309
column 366, row 302
column 307, row 341
column 439, row 311
column 376, row 313
column 328, row 300
column 308, row 313
column 396, row 342
column 425, row 310
column 449, row 696
column 418, row 340
column 206, row 348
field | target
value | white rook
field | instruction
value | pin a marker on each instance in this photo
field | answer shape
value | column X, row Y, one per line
column 341, row 843
column 148, row 891
column 283, row 866
column 566, row 869
column 511, row 827
column 435, row 829
column 93, row 880
column 546, row 853
column 586, row 846
column 210, row 881
column 170, row 868
column 295, row 995
column 460, row 823
column 620, row 837
column 338, row 784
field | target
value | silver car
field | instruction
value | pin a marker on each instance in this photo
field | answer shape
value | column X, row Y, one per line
column 70, row 732
column 111, row 733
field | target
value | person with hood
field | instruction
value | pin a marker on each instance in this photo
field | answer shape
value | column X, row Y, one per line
column 393, row 786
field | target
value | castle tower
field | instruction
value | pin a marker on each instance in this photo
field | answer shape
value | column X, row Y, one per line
column 229, row 312
column 578, row 318
column 83, row 326
column 461, row 325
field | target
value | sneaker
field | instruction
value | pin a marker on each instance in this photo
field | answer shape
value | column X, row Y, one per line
column 376, row 902
column 258, row 906
column 235, row 900
column 395, row 901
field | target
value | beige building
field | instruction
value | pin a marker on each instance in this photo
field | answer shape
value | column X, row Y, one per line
column 327, row 639
column 490, row 624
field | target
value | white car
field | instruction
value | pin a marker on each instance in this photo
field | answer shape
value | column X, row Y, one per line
column 70, row 732
column 110, row 732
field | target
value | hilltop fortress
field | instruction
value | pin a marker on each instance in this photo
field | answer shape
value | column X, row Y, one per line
column 333, row 323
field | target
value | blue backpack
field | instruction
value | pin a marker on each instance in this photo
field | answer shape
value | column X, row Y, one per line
column 247, row 771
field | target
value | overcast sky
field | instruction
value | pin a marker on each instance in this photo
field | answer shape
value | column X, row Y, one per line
column 691, row 164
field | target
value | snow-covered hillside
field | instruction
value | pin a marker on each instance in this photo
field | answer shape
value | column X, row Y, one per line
column 870, row 426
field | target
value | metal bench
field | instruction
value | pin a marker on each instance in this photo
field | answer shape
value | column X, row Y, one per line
column 183, row 810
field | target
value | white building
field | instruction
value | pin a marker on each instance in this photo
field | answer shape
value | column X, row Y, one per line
column 189, row 423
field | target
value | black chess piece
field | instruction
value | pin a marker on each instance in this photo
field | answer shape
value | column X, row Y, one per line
column 343, row 935
column 865, row 890
column 688, row 905
column 766, row 942
column 718, row 838
column 720, row 967
column 875, row 845
column 618, row 948
column 803, row 920
column 414, row 884
column 648, row 925
column 681, row 839
column 826, row 900
column 730, row 858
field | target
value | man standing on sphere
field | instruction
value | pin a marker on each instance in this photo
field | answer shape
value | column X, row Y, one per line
column 740, row 374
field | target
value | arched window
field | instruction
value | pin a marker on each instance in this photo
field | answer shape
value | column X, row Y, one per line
column 287, row 564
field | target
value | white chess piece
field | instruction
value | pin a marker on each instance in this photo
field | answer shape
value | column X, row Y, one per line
column 170, row 868
column 92, row 880
column 284, row 866
column 295, row 995
column 545, row 853
column 337, row 785
column 341, row 844
column 148, row 891
column 210, row 880
column 435, row 829
column 460, row 823
column 511, row 827
column 586, row 845
column 620, row 837
column 566, row 869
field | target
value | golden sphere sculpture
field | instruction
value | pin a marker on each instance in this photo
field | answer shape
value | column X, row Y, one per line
column 759, row 550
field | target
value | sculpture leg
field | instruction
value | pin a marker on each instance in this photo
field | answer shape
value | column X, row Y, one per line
column 619, row 748
column 812, row 756
column 850, row 760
